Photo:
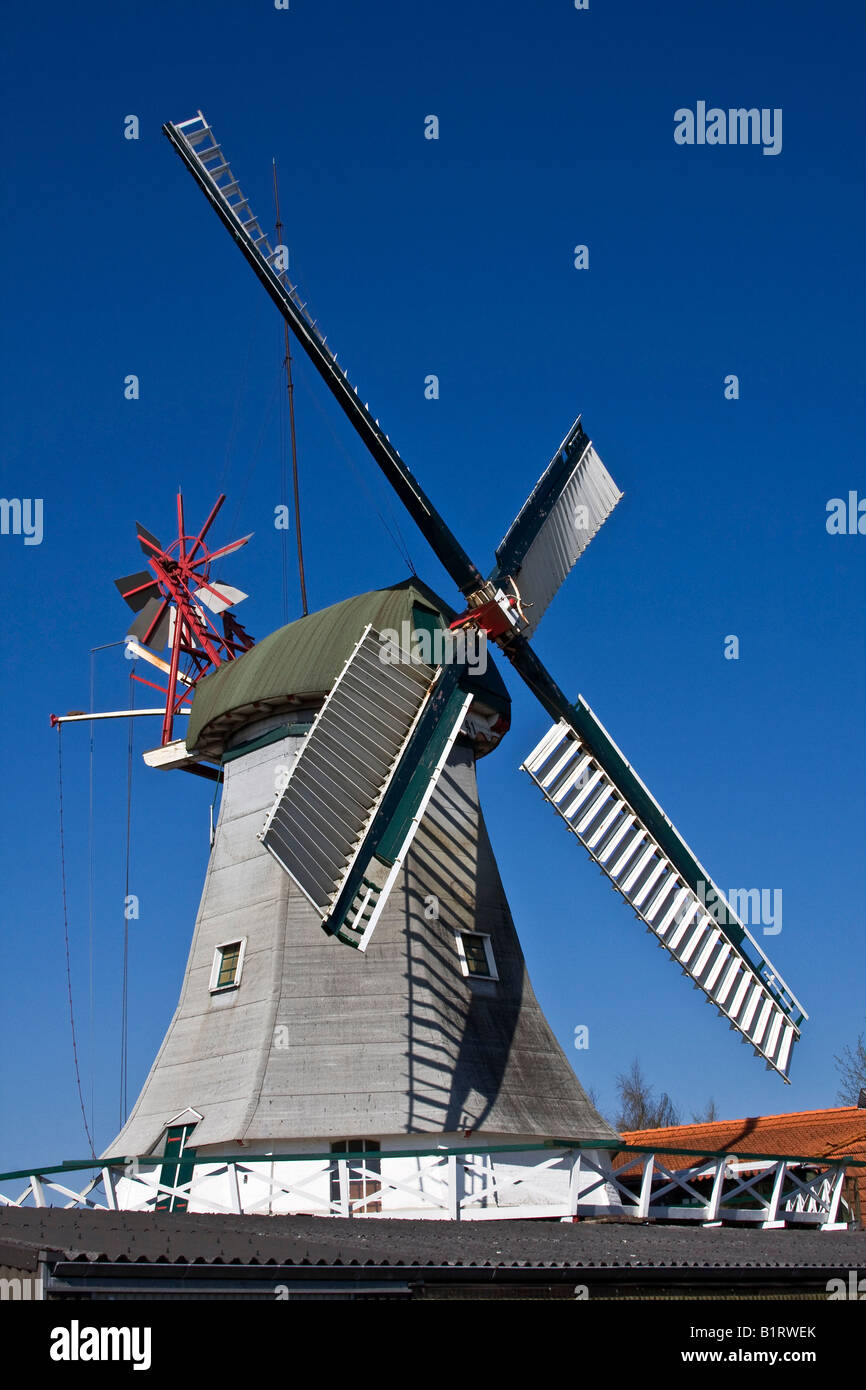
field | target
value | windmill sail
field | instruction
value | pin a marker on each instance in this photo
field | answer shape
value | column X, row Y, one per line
column 572, row 500
column 605, row 804
column 343, row 822
column 381, row 855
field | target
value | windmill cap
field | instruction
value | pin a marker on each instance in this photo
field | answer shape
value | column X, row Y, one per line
column 296, row 666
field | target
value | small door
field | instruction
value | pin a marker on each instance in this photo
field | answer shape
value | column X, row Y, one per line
column 362, row 1182
column 177, row 1166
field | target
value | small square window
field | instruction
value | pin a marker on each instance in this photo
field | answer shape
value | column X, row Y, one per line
column 227, row 965
column 476, row 955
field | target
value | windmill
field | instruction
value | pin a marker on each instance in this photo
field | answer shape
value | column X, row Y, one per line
column 577, row 766
column 355, row 731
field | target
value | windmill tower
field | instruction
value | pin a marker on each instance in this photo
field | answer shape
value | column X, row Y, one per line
column 283, row 1041
column 347, row 743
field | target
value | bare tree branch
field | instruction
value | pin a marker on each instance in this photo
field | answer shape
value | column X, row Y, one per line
column 639, row 1108
column 709, row 1114
column 851, row 1066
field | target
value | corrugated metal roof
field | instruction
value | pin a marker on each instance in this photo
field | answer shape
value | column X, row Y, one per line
column 312, row 1239
column 303, row 660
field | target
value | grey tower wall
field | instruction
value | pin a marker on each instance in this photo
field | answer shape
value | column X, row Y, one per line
column 321, row 1041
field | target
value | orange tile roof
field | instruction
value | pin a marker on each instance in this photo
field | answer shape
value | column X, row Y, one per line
column 812, row 1133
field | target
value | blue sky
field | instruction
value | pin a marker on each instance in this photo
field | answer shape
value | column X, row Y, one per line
column 452, row 257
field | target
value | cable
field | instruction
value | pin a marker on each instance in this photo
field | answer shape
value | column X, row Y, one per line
column 239, row 396
column 290, row 390
column 124, row 988
column 248, row 472
column 400, row 544
column 284, row 535
column 91, row 852
column 216, row 791
column 66, row 938
column 398, row 539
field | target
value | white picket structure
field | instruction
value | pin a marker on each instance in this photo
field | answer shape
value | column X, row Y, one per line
column 481, row 1184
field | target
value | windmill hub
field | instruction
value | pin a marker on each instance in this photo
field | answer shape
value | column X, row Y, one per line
column 498, row 614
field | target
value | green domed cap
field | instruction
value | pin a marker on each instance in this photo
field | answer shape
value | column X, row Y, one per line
column 298, row 664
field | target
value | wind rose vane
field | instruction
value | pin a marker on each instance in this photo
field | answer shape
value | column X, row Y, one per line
column 178, row 605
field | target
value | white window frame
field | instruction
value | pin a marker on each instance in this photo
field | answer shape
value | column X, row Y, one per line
column 492, row 972
column 217, row 964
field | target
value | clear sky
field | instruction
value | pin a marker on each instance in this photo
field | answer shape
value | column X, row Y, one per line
column 455, row 257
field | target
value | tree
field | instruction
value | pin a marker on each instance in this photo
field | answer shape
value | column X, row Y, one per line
column 851, row 1066
column 709, row 1114
column 639, row 1108
column 592, row 1093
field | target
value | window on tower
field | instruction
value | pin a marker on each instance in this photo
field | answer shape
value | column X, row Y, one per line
column 228, row 963
column 476, row 955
